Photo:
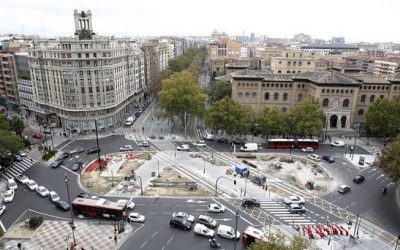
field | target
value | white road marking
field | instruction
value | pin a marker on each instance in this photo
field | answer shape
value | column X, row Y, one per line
column 170, row 240
column 66, row 145
column 144, row 244
column 69, row 170
column 230, row 210
column 154, row 234
column 352, row 204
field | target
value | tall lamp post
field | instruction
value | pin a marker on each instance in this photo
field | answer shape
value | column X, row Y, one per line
column 236, row 224
column 357, row 129
column 98, row 147
column 71, row 224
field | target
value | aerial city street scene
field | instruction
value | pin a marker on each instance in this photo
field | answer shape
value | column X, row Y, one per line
column 199, row 125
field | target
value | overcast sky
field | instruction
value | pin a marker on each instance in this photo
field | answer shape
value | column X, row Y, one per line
column 356, row 20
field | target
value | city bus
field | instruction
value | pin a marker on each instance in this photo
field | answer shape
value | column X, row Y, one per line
column 280, row 143
column 101, row 208
column 303, row 143
column 252, row 235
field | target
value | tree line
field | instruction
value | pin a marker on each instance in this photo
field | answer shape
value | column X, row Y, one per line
column 11, row 141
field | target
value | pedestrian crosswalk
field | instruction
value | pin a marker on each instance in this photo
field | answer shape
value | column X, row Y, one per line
column 164, row 145
column 56, row 141
column 279, row 210
column 121, row 131
column 18, row 167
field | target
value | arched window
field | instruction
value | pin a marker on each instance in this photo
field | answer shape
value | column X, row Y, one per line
column 246, row 97
column 288, row 71
column 382, row 96
column 361, row 112
column 254, row 97
column 372, row 98
column 294, row 64
column 276, row 96
column 240, row 96
column 285, row 95
column 279, row 71
column 363, row 98
column 300, row 97
column 266, row 96
column 284, row 110
column 346, row 103
column 325, row 102
column 289, row 63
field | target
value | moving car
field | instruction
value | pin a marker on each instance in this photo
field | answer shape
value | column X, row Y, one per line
column 307, row 150
column 183, row 215
column 358, row 179
column 337, row 144
column 130, row 121
column 183, row 147
column 53, row 196
column 12, row 184
column 77, row 166
column 200, row 144
column 144, row 144
column 92, row 151
column 2, row 209
column 65, row 155
column 22, row 154
column 328, row 158
column 18, row 157
column 180, row 223
column 32, row 185
column 9, row 195
column 314, row 157
column 57, row 163
column 63, row 205
column 215, row 208
column 37, row 136
column 294, row 199
column 208, row 136
column 130, row 205
column 297, row 209
column 227, row 232
column 76, row 151
column 126, row 148
column 136, row 217
column 250, row 202
column 22, row 178
column 201, row 229
column 207, row 221
column 343, row 189
column 42, row 191
column 249, row 147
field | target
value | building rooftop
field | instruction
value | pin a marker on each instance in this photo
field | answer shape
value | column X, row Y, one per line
column 325, row 78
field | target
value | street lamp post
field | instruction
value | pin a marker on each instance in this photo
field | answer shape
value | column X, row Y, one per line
column 71, row 224
column 141, row 184
column 245, row 187
column 98, row 147
column 236, row 224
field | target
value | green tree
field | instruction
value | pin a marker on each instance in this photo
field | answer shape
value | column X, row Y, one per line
column 279, row 242
column 272, row 122
column 4, row 125
column 228, row 115
column 181, row 97
column 9, row 144
column 163, row 75
column 306, row 118
column 389, row 161
column 383, row 117
column 17, row 125
column 219, row 90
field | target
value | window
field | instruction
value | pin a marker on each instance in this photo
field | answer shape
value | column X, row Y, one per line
column 285, row 95
column 288, row 71
column 79, row 55
column 346, row 103
column 280, row 62
column 284, row 110
column 308, row 63
column 325, row 102
column 323, row 91
column 266, row 96
column 372, row 98
column 276, row 96
column 300, row 97
column 279, row 71
column 382, row 96
column 361, row 112
column 263, row 85
column 363, row 98
column 289, row 63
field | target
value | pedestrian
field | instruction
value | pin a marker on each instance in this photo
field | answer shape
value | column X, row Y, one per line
column 115, row 238
column 142, row 128
column 31, row 160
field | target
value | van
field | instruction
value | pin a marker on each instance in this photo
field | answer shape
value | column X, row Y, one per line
column 227, row 232
column 249, row 147
column 129, row 121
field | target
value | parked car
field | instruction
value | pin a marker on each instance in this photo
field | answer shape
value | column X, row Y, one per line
column 126, row 148
column 200, row 144
column 42, row 191
column 18, row 157
column 65, row 155
column 208, row 136
column 136, row 217
column 207, row 221
column 215, row 208
column 144, row 144
column 238, row 141
column 358, row 179
column 180, row 223
column 53, row 196
column 328, row 158
column 57, row 163
column 130, row 205
column 337, row 144
column 201, row 229
column 77, row 166
column 2, row 209
column 183, row 215
column 22, row 178
column 12, row 184
column 296, row 209
column 294, row 199
column 63, row 205
column 250, row 202
column 140, row 111
column 227, row 232
column 307, row 150
column 92, row 151
column 314, row 157
column 37, row 136
column 22, row 154
column 223, row 140
column 137, row 114
column 32, row 185
column 183, row 147
column 76, row 151
column 9, row 195
column 343, row 189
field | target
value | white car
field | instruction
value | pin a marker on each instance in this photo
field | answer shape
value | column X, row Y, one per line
column 136, row 217
column 12, row 184
column 9, row 196
column 43, row 191
column 126, row 148
column 227, row 232
column 200, row 144
column 293, row 199
column 314, row 157
column 184, row 147
column 215, row 208
column 307, row 150
column 130, row 205
column 22, row 178
column 208, row 136
column 337, row 144
column 144, row 144
column 2, row 209
column 183, row 215
column 200, row 229
column 53, row 196
column 32, row 185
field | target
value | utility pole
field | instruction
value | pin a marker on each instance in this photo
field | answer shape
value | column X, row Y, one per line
column 71, row 224
column 98, row 147
column 236, row 224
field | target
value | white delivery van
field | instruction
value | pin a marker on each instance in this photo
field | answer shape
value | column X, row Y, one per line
column 227, row 232
column 129, row 121
column 249, row 147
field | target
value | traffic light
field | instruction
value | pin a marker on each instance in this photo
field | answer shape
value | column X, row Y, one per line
column 234, row 182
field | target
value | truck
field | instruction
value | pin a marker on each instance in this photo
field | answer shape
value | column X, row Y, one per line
column 241, row 170
column 249, row 147
column 259, row 179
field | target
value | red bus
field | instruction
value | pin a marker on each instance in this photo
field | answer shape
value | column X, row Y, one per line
column 303, row 143
column 280, row 143
column 252, row 235
column 99, row 208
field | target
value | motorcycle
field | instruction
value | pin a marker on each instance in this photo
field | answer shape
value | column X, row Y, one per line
column 214, row 243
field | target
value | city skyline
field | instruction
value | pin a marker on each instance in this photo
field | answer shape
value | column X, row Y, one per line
column 348, row 19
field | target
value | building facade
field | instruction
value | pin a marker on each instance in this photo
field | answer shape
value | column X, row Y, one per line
column 86, row 78
column 386, row 68
column 8, row 81
column 293, row 62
